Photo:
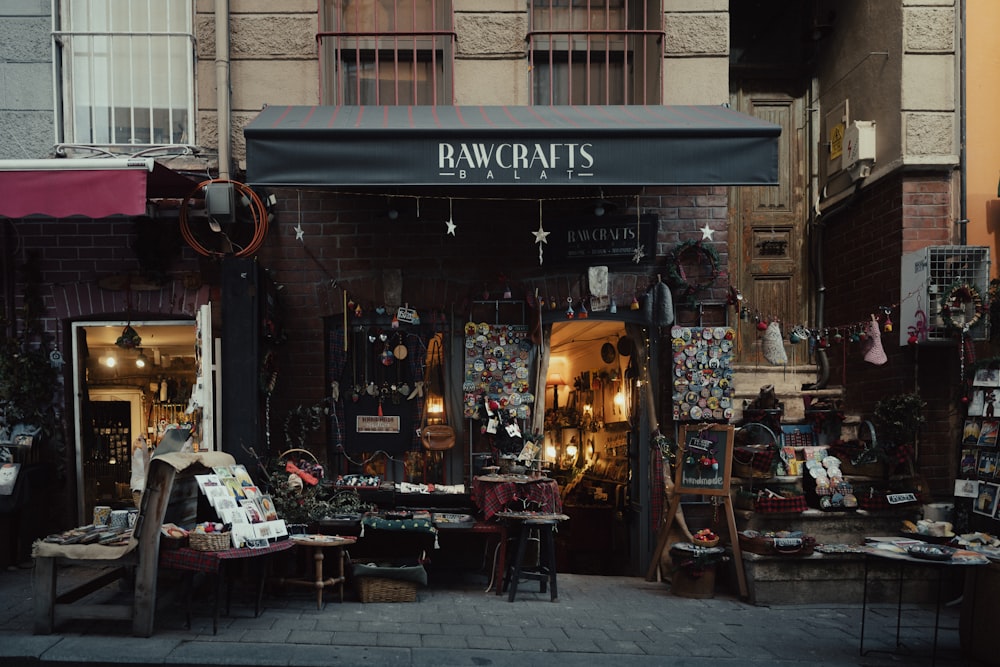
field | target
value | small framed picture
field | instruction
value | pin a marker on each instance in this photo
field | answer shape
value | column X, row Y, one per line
column 987, row 463
column 970, row 432
column 987, row 377
column 988, row 433
column 986, row 500
column 968, row 463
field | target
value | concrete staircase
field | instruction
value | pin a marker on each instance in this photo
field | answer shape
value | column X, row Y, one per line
column 819, row 577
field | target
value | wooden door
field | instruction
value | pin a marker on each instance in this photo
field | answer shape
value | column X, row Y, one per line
column 769, row 251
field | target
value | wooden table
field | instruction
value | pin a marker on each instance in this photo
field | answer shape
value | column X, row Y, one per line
column 316, row 544
column 213, row 563
column 499, row 493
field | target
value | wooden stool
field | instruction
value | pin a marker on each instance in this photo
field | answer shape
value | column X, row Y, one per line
column 546, row 570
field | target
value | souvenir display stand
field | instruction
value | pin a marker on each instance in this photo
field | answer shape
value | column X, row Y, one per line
column 704, row 468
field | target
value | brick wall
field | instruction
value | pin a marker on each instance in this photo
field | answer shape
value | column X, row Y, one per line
column 862, row 246
column 349, row 241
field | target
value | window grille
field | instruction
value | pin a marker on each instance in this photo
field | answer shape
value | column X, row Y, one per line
column 126, row 72
column 387, row 52
column 595, row 51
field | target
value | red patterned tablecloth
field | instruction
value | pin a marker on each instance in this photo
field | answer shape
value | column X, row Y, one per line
column 496, row 496
column 187, row 558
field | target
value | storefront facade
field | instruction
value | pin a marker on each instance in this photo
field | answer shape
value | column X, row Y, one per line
column 488, row 192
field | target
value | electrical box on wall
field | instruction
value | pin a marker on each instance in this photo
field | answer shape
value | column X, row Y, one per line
column 858, row 154
column 938, row 276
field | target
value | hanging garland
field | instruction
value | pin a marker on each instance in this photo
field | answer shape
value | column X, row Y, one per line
column 953, row 307
column 675, row 269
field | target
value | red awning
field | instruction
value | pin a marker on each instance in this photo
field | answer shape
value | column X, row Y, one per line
column 94, row 188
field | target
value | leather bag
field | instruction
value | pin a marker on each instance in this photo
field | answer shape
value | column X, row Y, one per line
column 437, row 437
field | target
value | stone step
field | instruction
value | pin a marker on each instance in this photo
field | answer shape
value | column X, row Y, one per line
column 821, row 577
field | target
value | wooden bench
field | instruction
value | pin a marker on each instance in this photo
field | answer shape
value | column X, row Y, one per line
column 140, row 558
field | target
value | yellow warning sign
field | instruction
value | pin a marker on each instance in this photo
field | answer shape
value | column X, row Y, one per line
column 836, row 141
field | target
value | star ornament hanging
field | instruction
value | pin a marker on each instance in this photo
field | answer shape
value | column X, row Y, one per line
column 706, row 233
column 300, row 233
column 451, row 227
column 638, row 254
column 541, row 238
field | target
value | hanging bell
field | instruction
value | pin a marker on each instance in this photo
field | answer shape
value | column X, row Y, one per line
column 552, row 303
column 838, row 337
column 794, row 337
column 614, row 306
column 761, row 324
column 635, row 304
column 583, row 311
column 569, row 309
column 887, row 327
column 357, row 310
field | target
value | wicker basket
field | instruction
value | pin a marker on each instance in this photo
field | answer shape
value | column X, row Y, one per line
column 210, row 541
column 380, row 589
column 705, row 544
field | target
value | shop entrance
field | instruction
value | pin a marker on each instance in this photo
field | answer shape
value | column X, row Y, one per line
column 592, row 368
column 127, row 393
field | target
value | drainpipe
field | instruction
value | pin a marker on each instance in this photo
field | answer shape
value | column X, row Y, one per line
column 222, row 92
column 963, row 221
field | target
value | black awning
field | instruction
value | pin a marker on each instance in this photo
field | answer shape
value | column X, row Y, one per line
column 529, row 146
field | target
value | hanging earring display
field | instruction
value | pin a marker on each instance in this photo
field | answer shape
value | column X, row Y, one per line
column 541, row 236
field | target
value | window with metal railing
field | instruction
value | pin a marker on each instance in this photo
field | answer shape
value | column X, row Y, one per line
column 595, row 51
column 389, row 52
column 125, row 70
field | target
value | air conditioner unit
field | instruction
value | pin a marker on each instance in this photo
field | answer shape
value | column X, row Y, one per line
column 927, row 278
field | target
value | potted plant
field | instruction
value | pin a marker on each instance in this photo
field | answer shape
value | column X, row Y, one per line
column 899, row 418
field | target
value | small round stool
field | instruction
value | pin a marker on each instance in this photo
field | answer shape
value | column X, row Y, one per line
column 545, row 572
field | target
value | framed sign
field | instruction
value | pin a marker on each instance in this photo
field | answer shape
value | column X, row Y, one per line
column 705, row 460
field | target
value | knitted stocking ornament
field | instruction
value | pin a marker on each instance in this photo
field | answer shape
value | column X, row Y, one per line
column 659, row 305
column 873, row 351
column 773, row 346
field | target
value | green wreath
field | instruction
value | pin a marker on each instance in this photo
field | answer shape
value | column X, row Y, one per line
column 675, row 269
column 959, row 295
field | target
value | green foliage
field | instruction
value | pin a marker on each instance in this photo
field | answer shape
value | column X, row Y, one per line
column 899, row 418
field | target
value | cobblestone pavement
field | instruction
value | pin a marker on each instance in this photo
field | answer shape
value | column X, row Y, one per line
column 598, row 620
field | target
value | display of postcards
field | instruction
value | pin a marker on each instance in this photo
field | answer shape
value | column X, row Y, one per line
column 986, row 500
column 215, row 493
column 267, row 507
column 987, row 464
column 208, row 481
column 988, row 433
column 977, row 403
column 241, row 474
column 987, row 377
column 253, row 510
column 251, row 492
column 223, row 472
column 970, row 432
column 226, row 502
column 234, row 487
column 233, row 515
column 969, row 461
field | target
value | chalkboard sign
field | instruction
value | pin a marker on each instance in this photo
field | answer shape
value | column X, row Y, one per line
column 704, row 463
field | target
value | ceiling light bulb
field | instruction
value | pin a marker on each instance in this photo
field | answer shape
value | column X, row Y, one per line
column 110, row 361
column 599, row 209
column 141, row 360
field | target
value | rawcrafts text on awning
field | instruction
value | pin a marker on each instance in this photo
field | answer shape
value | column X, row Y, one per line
column 530, row 146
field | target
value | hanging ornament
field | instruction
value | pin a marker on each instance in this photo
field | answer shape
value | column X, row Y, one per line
column 744, row 313
column 640, row 252
column 552, row 303
column 583, row 310
column 357, row 310
column 395, row 322
column 450, row 223
column 614, row 306
column 569, row 309
column 772, row 344
column 761, row 323
column 541, row 236
column 634, row 305
column 874, row 353
column 837, row 336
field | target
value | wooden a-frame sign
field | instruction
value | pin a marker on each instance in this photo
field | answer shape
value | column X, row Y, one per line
column 705, row 461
